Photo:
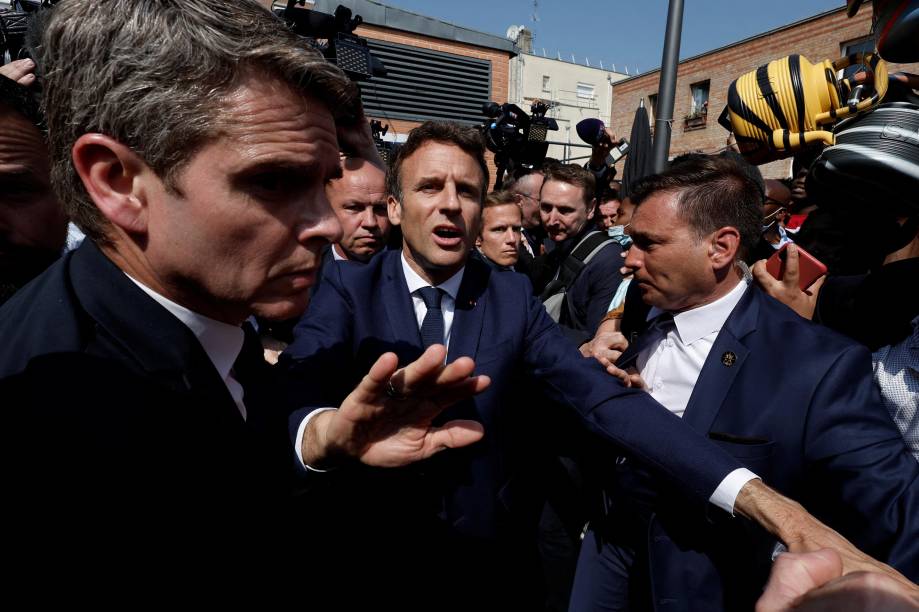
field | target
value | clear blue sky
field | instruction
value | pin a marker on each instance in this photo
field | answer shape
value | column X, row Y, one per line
column 622, row 32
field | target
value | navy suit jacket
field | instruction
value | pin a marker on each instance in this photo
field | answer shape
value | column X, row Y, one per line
column 360, row 312
column 119, row 431
column 795, row 402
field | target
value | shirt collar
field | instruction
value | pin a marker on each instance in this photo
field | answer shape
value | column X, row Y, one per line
column 450, row 286
column 695, row 324
column 336, row 256
column 221, row 341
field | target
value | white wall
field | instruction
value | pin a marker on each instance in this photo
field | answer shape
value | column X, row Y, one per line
column 568, row 108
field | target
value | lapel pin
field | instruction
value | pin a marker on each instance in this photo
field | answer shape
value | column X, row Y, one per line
column 728, row 359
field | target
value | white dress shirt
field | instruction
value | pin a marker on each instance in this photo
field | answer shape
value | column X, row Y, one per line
column 221, row 341
column 671, row 365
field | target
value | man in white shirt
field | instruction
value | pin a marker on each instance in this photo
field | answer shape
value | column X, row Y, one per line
column 794, row 402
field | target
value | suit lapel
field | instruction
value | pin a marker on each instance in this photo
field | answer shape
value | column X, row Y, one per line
column 723, row 363
column 156, row 342
column 469, row 313
column 400, row 311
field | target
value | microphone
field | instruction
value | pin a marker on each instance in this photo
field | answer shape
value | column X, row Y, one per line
column 590, row 130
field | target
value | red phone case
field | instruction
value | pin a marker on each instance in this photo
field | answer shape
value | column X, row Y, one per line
column 809, row 267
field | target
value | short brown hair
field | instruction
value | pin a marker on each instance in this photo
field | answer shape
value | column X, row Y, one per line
column 500, row 198
column 466, row 138
column 573, row 175
column 714, row 191
column 155, row 76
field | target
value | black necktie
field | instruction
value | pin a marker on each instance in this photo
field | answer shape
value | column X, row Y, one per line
column 251, row 360
column 661, row 326
column 432, row 328
column 656, row 330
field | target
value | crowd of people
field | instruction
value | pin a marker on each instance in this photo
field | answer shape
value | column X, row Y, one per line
column 234, row 338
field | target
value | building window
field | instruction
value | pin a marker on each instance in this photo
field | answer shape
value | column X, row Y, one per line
column 698, row 110
column 699, row 99
column 545, row 82
column 861, row 45
column 585, row 91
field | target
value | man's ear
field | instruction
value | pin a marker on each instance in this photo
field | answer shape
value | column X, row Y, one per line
column 110, row 172
column 394, row 210
column 591, row 208
column 724, row 247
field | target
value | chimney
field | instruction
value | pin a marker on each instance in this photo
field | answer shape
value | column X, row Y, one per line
column 525, row 40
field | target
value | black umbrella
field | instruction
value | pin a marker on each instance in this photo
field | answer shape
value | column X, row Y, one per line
column 638, row 163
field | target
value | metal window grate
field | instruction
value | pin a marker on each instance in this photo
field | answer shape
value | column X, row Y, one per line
column 424, row 84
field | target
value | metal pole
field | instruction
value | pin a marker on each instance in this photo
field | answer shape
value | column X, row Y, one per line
column 663, row 119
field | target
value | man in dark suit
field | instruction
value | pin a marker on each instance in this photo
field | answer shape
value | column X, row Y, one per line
column 567, row 208
column 139, row 422
column 793, row 401
column 474, row 501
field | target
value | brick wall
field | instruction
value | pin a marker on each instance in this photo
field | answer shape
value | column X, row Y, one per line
column 499, row 68
column 817, row 39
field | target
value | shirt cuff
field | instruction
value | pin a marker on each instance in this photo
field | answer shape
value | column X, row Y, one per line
column 302, row 430
column 726, row 493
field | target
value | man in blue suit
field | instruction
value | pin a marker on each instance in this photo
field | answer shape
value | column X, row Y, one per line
column 793, row 401
column 473, row 502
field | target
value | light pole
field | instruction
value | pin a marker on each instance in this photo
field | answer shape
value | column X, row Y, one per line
column 663, row 114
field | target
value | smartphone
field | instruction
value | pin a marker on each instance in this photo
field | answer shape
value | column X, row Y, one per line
column 809, row 267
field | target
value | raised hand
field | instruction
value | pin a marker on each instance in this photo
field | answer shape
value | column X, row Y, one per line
column 386, row 420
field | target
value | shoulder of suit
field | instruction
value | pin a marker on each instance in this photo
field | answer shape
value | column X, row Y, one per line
column 43, row 317
column 798, row 331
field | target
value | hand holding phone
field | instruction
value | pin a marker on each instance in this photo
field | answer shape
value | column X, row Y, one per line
column 805, row 266
column 784, row 265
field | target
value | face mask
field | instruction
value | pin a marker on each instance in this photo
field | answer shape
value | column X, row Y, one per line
column 617, row 233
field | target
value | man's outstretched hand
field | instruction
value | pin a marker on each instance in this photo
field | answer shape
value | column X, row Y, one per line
column 814, row 582
column 386, row 420
column 802, row 533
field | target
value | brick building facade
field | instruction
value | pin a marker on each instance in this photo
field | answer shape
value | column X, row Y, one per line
column 828, row 35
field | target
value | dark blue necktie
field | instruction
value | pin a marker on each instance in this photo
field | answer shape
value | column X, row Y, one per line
column 432, row 328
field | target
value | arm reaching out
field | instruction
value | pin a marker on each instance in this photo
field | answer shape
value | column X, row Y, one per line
column 802, row 533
